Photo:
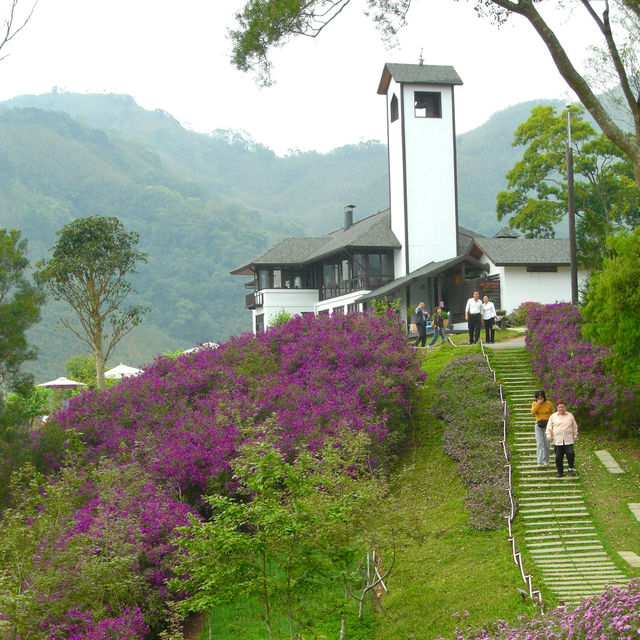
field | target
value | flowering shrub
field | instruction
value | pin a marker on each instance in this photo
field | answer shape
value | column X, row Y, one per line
column 469, row 402
column 571, row 368
column 127, row 466
column 518, row 317
column 183, row 419
column 612, row 615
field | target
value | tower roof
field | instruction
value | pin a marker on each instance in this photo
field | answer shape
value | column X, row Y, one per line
column 417, row 74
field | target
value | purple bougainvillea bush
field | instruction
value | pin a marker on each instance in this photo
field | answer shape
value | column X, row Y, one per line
column 468, row 401
column 128, row 465
column 571, row 368
column 612, row 615
column 184, row 418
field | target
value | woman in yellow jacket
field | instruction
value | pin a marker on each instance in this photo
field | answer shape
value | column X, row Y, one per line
column 542, row 409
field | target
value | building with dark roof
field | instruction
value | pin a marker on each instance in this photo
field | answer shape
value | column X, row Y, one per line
column 415, row 250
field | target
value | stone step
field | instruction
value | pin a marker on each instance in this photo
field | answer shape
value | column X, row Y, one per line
column 559, row 529
column 545, row 503
column 599, row 571
column 545, row 523
column 584, row 557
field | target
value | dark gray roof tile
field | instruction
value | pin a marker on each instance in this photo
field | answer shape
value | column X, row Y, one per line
column 523, row 251
column 417, row 74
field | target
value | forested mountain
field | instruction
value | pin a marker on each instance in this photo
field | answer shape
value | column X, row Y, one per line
column 202, row 203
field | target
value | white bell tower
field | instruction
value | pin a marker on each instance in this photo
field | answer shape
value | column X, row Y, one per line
column 421, row 140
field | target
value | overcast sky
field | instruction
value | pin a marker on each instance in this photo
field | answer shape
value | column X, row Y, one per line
column 174, row 55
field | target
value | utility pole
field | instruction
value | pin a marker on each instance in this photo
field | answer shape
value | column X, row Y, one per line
column 572, row 213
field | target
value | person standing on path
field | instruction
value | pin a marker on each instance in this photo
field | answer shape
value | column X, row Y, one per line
column 562, row 430
column 542, row 409
column 472, row 315
column 489, row 316
column 438, row 326
column 421, row 324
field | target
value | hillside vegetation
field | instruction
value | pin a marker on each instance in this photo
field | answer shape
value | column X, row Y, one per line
column 202, row 203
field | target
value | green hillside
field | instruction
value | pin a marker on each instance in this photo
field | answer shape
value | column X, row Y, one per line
column 202, row 203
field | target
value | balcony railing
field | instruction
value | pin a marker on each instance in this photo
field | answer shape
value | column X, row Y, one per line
column 253, row 300
column 326, row 291
column 355, row 284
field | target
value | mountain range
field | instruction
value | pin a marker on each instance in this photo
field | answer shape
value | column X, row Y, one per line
column 202, row 204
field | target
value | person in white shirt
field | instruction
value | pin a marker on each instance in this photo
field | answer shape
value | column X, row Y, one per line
column 562, row 431
column 472, row 315
column 489, row 316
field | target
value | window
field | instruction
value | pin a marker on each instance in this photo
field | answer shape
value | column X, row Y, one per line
column 337, row 311
column 374, row 264
column 387, row 264
column 346, row 270
column 542, row 268
column 428, row 104
column 260, row 323
column 394, row 111
column 327, row 273
column 277, row 279
column 263, row 279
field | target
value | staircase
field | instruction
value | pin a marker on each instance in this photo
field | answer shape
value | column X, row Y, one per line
column 559, row 533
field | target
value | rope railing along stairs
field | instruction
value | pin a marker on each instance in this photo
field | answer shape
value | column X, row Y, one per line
column 560, row 536
column 529, row 591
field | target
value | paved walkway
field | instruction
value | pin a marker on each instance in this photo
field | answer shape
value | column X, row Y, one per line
column 560, row 536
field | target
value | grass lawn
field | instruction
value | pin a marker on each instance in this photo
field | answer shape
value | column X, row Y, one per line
column 447, row 574
column 608, row 494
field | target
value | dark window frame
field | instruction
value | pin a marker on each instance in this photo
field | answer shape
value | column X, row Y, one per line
column 427, row 104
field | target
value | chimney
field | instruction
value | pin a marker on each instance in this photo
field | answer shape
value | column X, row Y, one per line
column 348, row 215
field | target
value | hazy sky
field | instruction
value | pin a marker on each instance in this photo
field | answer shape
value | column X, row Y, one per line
column 174, row 55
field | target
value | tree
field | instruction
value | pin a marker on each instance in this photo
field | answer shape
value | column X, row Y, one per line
column 293, row 529
column 607, row 199
column 265, row 24
column 20, row 302
column 14, row 24
column 88, row 270
column 612, row 305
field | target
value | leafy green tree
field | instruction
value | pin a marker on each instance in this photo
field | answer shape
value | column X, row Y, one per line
column 88, row 269
column 612, row 305
column 82, row 368
column 293, row 528
column 607, row 198
column 20, row 302
column 266, row 24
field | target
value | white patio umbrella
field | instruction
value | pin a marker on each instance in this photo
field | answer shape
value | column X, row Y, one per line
column 122, row 371
column 61, row 383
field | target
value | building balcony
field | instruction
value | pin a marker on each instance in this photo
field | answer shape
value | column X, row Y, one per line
column 359, row 283
column 253, row 300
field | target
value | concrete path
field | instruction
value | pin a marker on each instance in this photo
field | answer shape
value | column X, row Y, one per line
column 559, row 534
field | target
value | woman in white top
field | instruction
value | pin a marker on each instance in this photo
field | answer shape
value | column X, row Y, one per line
column 562, row 431
column 489, row 317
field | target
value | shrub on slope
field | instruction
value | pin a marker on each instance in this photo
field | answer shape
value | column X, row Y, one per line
column 93, row 539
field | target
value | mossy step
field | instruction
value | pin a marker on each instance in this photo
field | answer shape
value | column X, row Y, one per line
column 604, row 572
column 546, row 523
column 585, row 557
column 564, row 549
column 555, row 535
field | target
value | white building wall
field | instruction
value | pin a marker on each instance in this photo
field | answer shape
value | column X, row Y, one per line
column 340, row 302
column 517, row 285
column 299, row 301
column 396, row 179
column 430, row 176
column 293, row 301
